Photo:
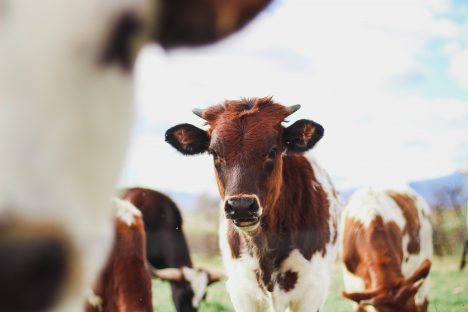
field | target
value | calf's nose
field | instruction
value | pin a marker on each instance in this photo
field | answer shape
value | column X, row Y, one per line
column 241, row 207
column 32, row 272
column 241, row 203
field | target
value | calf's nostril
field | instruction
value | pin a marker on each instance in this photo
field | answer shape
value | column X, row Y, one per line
column 32, row 272
column 229, row 210
column 243, row 202
column 253, row 208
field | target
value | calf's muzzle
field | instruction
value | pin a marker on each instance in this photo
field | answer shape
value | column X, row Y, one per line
column 33, row 270
column 243, row 211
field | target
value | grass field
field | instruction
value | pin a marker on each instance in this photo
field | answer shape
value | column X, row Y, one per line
column 449, row 290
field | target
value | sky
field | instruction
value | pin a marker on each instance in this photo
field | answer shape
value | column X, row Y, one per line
column 387, row 79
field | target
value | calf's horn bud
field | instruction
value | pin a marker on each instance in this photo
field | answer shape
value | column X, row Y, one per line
column 198, row 112
column 292, row 109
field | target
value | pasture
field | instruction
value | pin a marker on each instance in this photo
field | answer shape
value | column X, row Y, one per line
column 449, row 289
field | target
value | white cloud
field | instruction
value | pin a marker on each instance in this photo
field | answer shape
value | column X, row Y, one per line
column 438, row 6
column 459, row 68
column 451, row 48
column 403, row 139
column 153, row 163
column 335, row 57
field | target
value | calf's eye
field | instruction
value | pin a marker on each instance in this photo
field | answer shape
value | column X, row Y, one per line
column 273, row 152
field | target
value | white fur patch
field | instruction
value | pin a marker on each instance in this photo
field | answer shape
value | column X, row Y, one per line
column 93, row 299
column 335, row 205
column 368, row 203
column 198, row 280
column 241, row 284
column 312, row 286
column 125, row 211
column 352, row 283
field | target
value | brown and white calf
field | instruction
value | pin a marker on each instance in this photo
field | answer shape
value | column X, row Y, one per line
column 124, row 283
column 167, row 249
column 279, row 232
column 65, row 118
column 386, row 251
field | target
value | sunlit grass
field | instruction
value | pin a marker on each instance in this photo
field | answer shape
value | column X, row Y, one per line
column 449, row 290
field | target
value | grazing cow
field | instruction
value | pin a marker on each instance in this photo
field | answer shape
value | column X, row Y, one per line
column 65, row 117
column 279, row 234
column 386, row 252
column 124, row 283
column 167, row 247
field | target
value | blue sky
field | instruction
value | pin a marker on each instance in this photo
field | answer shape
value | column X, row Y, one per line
column 433, row 78
column 388, row 79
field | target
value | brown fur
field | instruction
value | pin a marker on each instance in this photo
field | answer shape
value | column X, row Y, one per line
column 175, row 23
column 308, row 133
column 195, row 22
column 335, row 228
column 287, row 280
column 184, row 137
column 407, row 205
column 234, row 241
column 295, row 213
column 259, row 280
column 166, row 241
column 375, row 254
column 125, row 284
column 161, row 214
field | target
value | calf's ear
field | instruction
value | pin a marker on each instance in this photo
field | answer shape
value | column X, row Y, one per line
column 302, row 135
column 188, row 139
column 421, row 272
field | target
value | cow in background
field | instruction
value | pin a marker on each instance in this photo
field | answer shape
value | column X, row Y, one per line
column 124, row 283
column 279, row 233
column 167, row 249
column 386, row 250
column 65, row 118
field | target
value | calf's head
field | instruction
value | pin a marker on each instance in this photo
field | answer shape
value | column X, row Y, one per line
column 399, row 297
column 198, row 279
column 59, row 170
column 247, row 141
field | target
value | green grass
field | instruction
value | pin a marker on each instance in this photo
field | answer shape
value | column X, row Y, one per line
column 449, row 286
column 448, row 292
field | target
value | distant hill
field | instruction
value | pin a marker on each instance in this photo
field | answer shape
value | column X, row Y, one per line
column 444, row 191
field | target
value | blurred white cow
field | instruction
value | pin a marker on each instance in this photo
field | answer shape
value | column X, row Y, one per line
column 65, row 117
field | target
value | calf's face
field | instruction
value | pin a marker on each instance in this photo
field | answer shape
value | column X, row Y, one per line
column 197, row 281
column 397, row 298
column 247, row 142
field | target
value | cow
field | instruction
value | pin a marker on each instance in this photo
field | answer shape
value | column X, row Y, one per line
column 124, row 283
column 167, row 249
column 65, row 118
column 279, row 212
column 386, row 250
